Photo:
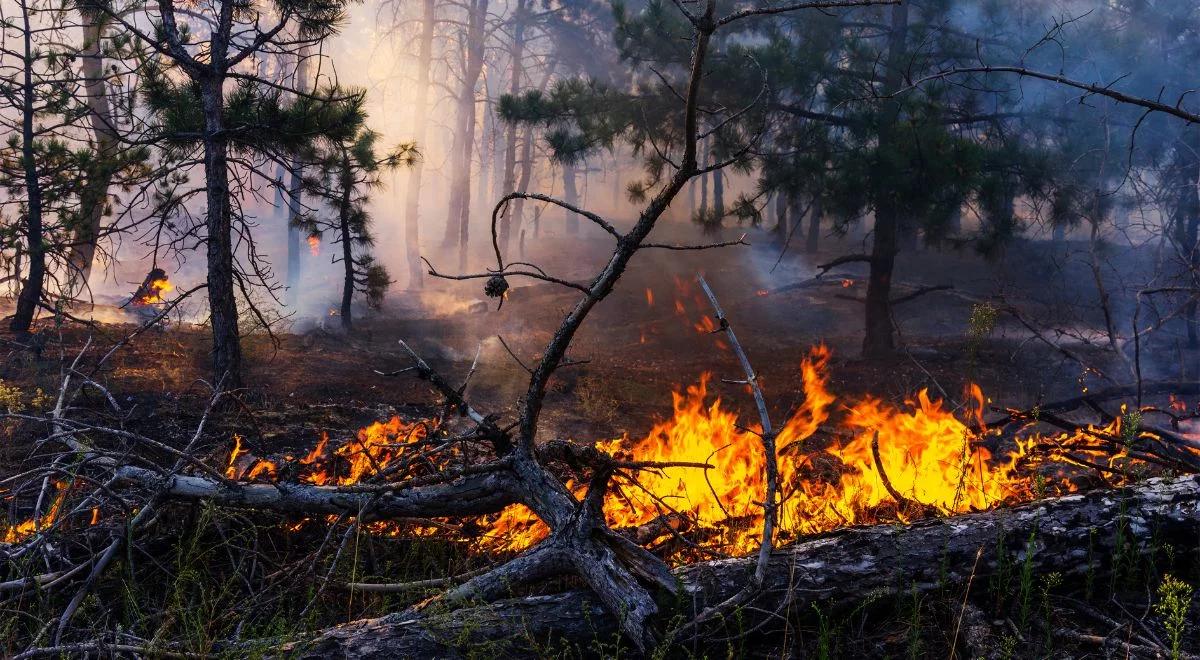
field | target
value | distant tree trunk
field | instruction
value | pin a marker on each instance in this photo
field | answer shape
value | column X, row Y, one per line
column 1058, row 233
column 347, row 185
column 691, row 185
column 412, row 201
column 516, row 58
column 879, row 339
column 570, row 196
column 296, row 196
column 1187, row 237
column 955, row 225
column 457, row 225
column 782, row 223
column 94, row 198
column 718, row 178
column 527, row 141
column 1192, row 311
column 31, row 290
column 907, row 237
column 814, row 225
column 486, row 144
column 703, row 187
column 616, row 191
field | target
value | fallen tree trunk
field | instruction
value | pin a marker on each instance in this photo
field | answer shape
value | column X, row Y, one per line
column 471, row 495
column 1062, row 534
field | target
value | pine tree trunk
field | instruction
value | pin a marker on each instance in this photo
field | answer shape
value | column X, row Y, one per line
column 31, row 290
column 94, row 198
column 227, row 350
column 516, row 57
column 814, row 226
column 570, row 196
column 347, row 244
column 955, row 225
column 782, row 221
column 487, row 144
column 526, row 162
column 879, row 340
column 907, row 237
column 718, row 178
column 412, row 201
column 295, row 196
column 458, row 225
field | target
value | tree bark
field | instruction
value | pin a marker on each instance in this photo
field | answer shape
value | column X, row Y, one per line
column 570, row 196
column 516, row 58
column 457, row 221
column 526, row 161
column 295, row 204
column 1071, row 535
column 347, row 241
column 812, row 243
column 718, row 183
column 94, row 198
column 31, row 290
column 412, row 201
column 782, row 225
column 879, row 340
column 227, row 350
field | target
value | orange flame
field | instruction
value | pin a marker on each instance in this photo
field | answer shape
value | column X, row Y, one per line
column 156, row 292
column 25, row 529
column 373, row 449
column 314, row 245
column 927, row 455
column 841, row 462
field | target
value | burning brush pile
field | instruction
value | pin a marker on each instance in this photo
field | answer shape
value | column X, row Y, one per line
column 841, row 463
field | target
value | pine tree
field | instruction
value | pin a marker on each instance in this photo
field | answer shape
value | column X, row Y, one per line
column 347, row 170
column 187, row 87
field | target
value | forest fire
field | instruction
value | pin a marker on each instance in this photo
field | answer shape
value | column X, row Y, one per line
column 841, row 463
column 925, row 454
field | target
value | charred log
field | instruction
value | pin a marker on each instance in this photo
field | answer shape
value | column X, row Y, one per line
column 1053, row 535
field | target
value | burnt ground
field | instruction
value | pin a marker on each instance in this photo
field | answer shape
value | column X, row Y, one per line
column 638, row 348
column 644, row 341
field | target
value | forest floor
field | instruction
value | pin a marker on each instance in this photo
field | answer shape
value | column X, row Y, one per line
column 647, row 340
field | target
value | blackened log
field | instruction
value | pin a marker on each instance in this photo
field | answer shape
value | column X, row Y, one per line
column 1070, row 535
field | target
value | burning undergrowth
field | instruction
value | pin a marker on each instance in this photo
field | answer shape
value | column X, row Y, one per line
column 842, row 462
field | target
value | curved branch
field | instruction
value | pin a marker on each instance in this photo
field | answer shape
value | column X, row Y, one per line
column 1091, row 88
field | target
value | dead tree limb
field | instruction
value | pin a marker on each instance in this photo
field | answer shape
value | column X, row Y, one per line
column 770, row 502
